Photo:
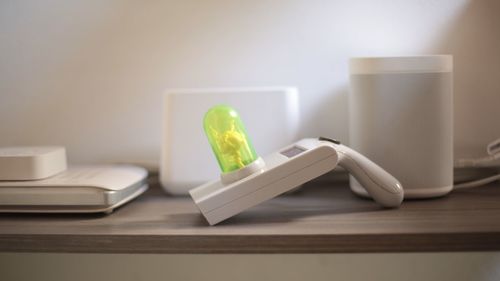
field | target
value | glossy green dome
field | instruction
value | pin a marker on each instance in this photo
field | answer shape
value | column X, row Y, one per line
column 228, row 138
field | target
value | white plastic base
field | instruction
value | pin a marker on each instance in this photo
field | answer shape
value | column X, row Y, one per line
column 408, row 193
column 252, row 168
column 282, row 173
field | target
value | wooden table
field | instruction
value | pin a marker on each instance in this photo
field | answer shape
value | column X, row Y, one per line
column 319, row 218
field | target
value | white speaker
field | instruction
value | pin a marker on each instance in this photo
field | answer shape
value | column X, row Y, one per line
column 401, row 117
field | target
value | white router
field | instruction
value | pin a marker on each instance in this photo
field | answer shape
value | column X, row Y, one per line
column 35, row 180
column 84, row 189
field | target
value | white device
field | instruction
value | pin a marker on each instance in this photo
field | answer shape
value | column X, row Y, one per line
column 85, row 189
column 290, row 167
column 31, row 162
column 401, row 108
column 186, row 159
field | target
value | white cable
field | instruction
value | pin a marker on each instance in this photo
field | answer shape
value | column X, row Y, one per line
column 493, row 150
column 491, row 160
column 477, row 182
column 488, row 161
column 494, row 147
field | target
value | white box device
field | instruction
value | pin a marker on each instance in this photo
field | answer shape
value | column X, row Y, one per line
column 186, row 158
column 31, row 163
column 288, row 168
column 85, row 189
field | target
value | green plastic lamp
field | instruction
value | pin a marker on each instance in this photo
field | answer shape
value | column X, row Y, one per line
column 230, row 143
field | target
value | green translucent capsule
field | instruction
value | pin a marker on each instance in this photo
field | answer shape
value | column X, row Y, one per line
column 228, row 138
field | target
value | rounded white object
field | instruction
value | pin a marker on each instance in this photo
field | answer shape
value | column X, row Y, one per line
column 31, row 162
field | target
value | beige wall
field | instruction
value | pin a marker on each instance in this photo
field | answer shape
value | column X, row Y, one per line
column 90, row 74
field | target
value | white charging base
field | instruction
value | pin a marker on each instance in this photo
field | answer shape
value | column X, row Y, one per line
column 31, row 162
column 290, row 167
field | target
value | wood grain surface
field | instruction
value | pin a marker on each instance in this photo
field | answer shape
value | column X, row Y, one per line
column 319, row 218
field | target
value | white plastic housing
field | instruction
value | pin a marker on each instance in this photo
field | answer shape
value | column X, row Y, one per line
column 401, row 117
column 270, row 116
column 31, row 162
column 218, row 202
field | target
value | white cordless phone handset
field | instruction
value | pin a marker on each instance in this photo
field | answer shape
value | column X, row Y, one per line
column 288, row 168
column 382, row 186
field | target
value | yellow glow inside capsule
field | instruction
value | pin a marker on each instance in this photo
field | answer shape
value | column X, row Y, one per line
column 228, row 138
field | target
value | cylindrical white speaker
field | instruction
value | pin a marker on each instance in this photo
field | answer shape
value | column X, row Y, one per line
column 401, row 117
